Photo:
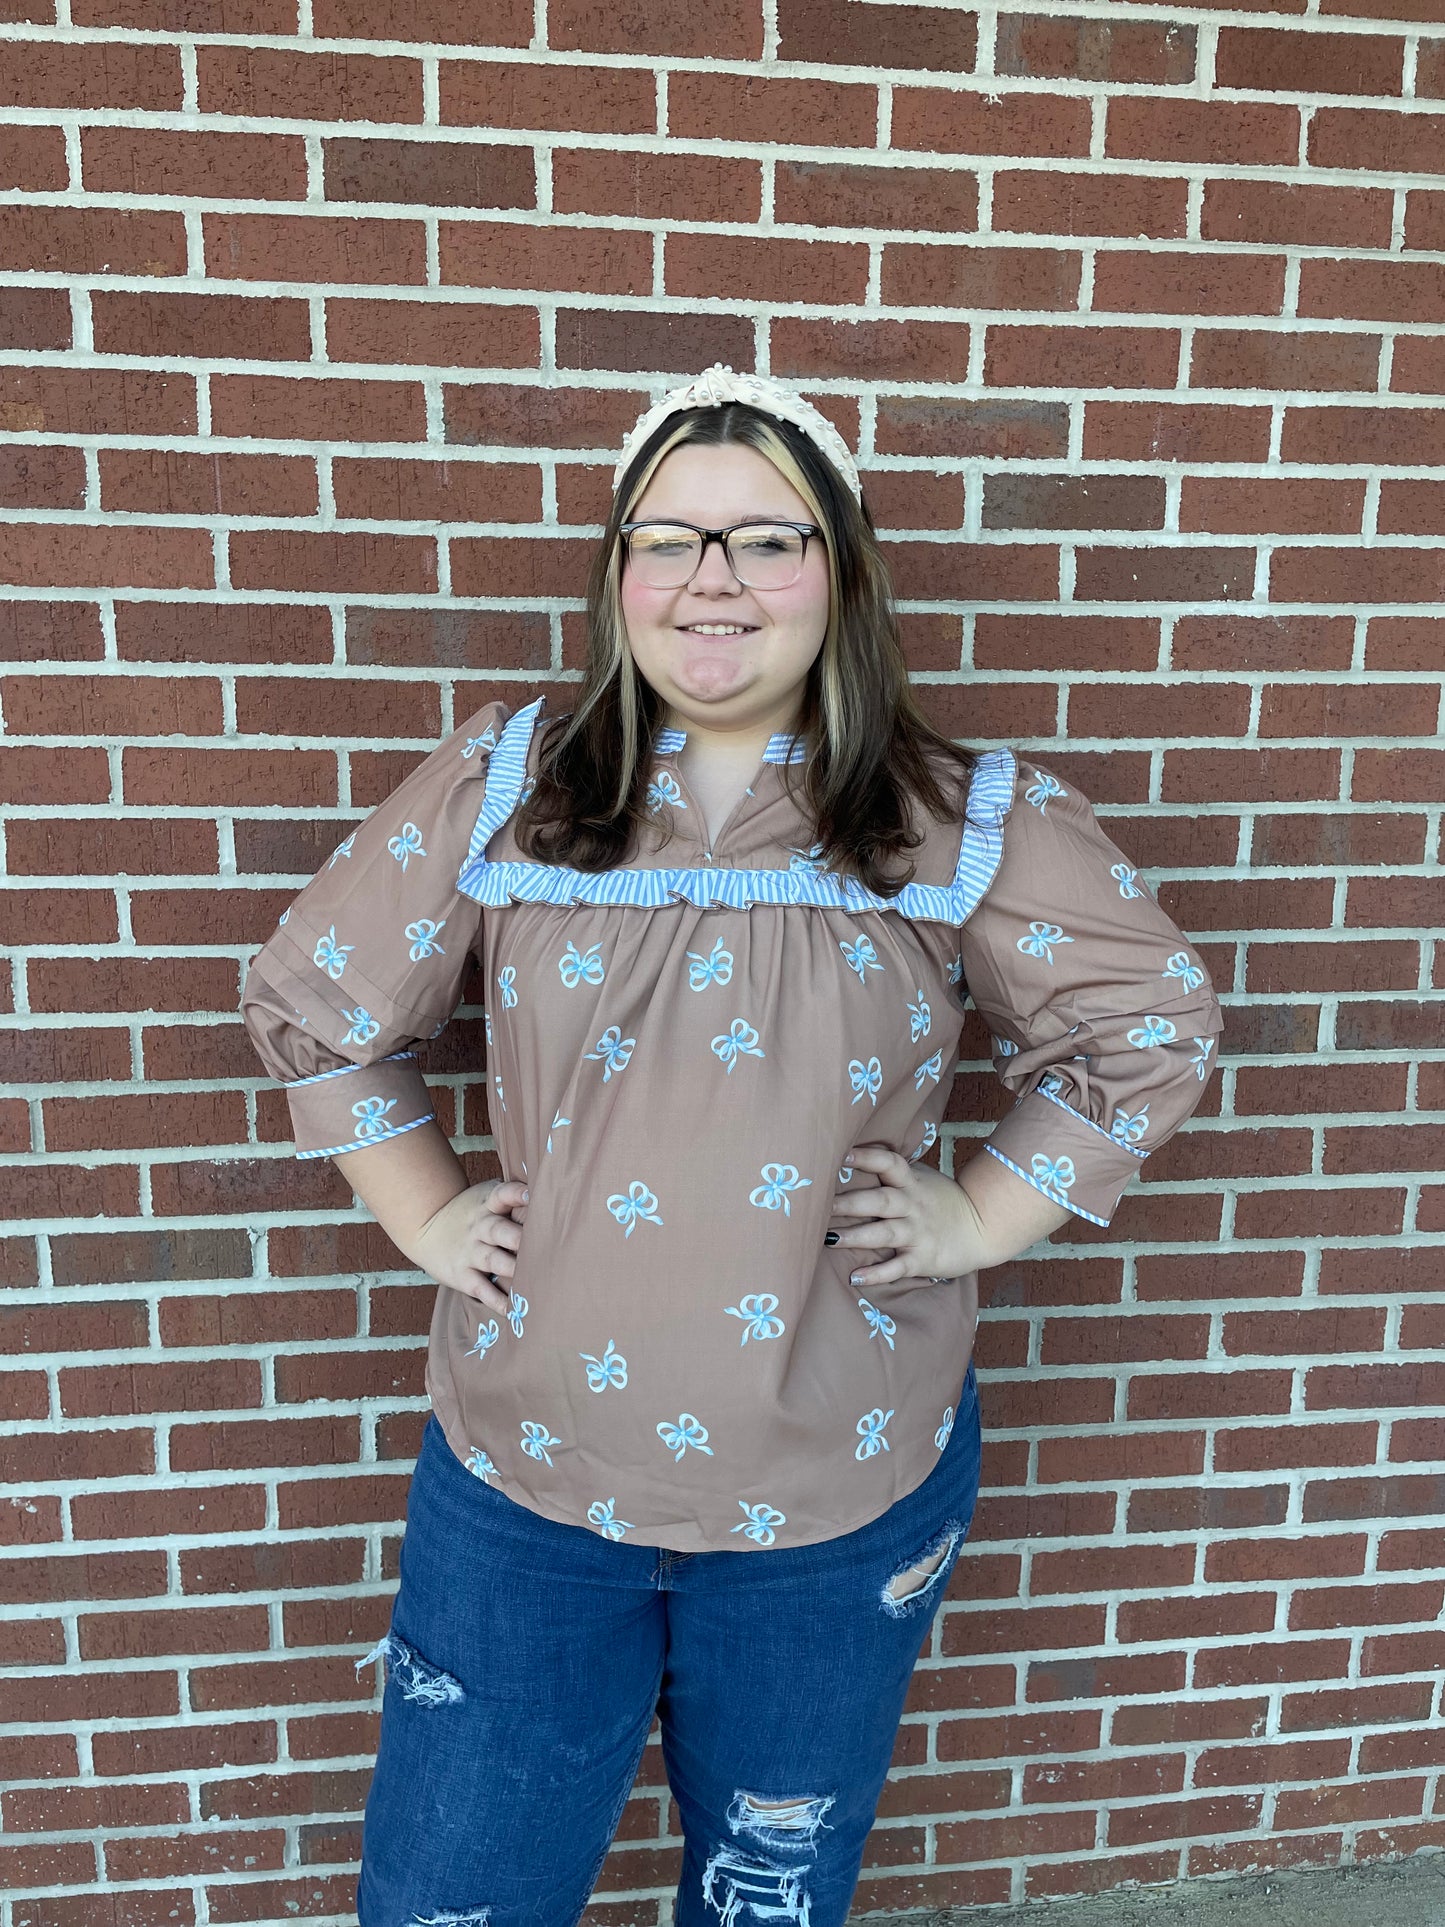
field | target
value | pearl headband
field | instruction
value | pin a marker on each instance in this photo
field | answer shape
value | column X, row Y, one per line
column 719, row 384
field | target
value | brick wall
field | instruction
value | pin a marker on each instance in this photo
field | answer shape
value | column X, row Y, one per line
column 318, row 333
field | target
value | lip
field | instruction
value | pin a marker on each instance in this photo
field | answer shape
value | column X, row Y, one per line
column 748, row 628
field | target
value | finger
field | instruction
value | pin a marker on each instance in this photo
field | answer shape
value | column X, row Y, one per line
column 477, row 1285
column 887, row 1273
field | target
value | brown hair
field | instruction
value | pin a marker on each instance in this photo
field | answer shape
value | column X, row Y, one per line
column 875, row 752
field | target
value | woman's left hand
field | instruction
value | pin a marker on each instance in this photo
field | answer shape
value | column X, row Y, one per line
column 927, row 1219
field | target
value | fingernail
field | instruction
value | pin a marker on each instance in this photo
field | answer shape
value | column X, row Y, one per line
column 525, row 1195
column 849, row 1158
column 856, row 1279
column 830, row 1237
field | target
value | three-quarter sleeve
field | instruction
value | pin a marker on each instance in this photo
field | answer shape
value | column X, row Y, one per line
column 1104, row 1019
column 369, row 960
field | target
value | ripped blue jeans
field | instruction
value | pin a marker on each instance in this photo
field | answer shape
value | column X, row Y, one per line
column 525, row 1662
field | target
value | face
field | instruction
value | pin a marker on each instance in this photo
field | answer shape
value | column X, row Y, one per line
column 751, row 682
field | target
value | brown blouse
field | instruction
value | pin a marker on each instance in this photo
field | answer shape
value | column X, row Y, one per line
column 680, row 1054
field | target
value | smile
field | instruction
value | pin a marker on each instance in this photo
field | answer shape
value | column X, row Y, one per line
column 718, row 628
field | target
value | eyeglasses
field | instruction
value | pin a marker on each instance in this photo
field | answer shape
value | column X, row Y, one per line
column 762, row 555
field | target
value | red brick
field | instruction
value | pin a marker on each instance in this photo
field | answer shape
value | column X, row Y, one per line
column 1164, row 575
column 36, row 775
column 107, row 706
column 1045, row 47
column 670, row 186
column 59, row 916
column 1265, row 358
column 440, row 334
column 1189, row 284
column 37, row 1455
column 144, row 1257
column 1287, row 61
column 18, row 1267
column 1057, row 202
column 79, row 1809
column 1073, row 502
column 32, row 160
column 200, row 1050
column 835, row 194
column 1373, row 290
column 23, row 1395
column 890, row 350
column 1232, row 506
column 366, row 564
column 1425, row 222
column 1397, row 775
column 148, row 481
column 977, row 275
column 565, row 98
column 1058, row 642
column 430, row 173
column 264, row 1444
column 176, row 163
column 96, row 401
column 219, row 777
column 507, row 22
column 1169, row 431
column 193, row 917
column 1295, row 215
column 41, row 478
column 1357, row 575
column 182, row 1855
column 258, row 1318
column 34, row 318
column 157, row 1512
column 598, row 338
column 1259, row 775
column 935, row 425
column 732, row 30
column 48, row 1863
column 77, row 554
column 1226, row 133
column 1400, row 642
column 244, row 1185
column 144, row 1120
column 189, row 16
column 313, row 247
column 275, row 82
column 85, row 76
column 213, row 327
column 283, row 407
column 354, row 1375
column 1378, row 141
column 319, row 707
column 1090, row 357
column 946, row 120
column 91, row 240
column 270, row 633
column 282, row 1899
column 766, row 269
column 529, row 417
column 66, row 1056
column 756, row 107
column 198, row 1385
column 446, row 491
column 899, row 36
column 1210, row 710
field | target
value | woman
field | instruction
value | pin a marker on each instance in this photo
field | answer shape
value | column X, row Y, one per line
column 705, row 1432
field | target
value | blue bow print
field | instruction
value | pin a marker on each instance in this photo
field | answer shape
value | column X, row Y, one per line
column 955, row 969
column 600, row 1513
column 341, row 850
column 487, row 1336
column 1155, row 1030
column 780, row 1180
column 473, row 743
column 755, row 1311
column 613, row 1049
column 363, row 1026
column 861, row 956
column 516, row 1311
column 480, row 1464
column 715, row 968
column 1128, row 878
column 882, row 1326
column 369, row 1114
column 1004, row 1047
column 577, row 965
column 1201, row 1062
column 535, row 1440
column 330, row 955
column 610, row 1369
column 741, row 1037
column 810, row 860
column 677, row 1438
column 871, row 1426
column 931, row 1067
column 407, row 845
column 920, row 1019
column 760, row 1522
column 930, row 1135
column 1042, row 789
column 639, row 1203
column 663, row 789
column 422, row 936
column 1055, row 1177
column 1128, row 1130
column 1180, row 966
column 941, row 1436
column 557, row 1122
column 507, row 984
column 501, row 1094
column 866, row 1079
column 1044, row 934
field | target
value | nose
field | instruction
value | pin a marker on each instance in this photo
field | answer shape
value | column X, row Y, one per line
column 714, row 571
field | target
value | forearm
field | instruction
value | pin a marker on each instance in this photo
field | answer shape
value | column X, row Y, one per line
column 1008, row 1215
column 406, row 1180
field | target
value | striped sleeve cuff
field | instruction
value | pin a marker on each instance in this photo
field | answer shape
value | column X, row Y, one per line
column 1062, row 1153
column 358, row 1105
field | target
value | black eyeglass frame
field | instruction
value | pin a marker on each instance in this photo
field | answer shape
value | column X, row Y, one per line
column 805, row 529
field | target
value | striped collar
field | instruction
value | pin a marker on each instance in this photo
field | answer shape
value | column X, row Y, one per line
column 668, row 741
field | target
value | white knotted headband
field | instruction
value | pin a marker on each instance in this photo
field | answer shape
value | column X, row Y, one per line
column 719, row 384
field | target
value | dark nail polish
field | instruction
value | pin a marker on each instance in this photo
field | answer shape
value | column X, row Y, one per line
column 830, row 1237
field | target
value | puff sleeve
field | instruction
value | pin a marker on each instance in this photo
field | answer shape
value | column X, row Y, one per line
column 1104, row 1019
column 369, row 960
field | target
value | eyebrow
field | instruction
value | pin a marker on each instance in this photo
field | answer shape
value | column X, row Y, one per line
column 682, row 520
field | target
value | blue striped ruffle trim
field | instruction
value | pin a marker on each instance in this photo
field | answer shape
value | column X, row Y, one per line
column 990, row 797
column 1079, row 1118
column 1052, row 1196
column 365, row 1143
column 321, row 1077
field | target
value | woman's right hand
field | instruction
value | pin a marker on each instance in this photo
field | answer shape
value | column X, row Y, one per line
column 473, row 1235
